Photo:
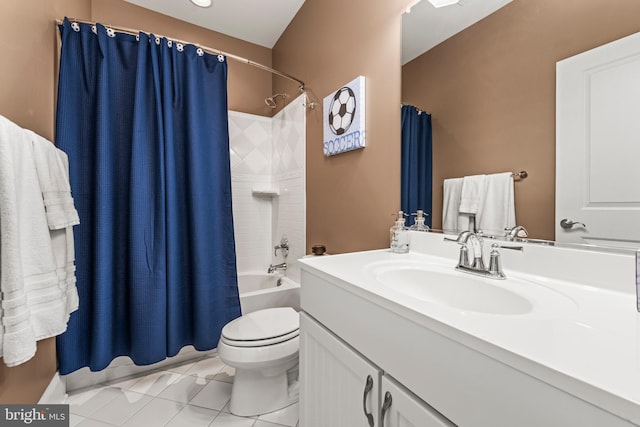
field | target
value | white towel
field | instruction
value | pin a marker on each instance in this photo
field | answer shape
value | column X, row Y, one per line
column 34, row 298
column 498, row 209
column 24, row 262
column 12, row 312
column 474, row 188
column 452, row 220
column 52, row 166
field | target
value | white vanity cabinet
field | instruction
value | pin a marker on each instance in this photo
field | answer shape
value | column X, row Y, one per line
column 340, row 388
column 333, row 378
column 438, row 375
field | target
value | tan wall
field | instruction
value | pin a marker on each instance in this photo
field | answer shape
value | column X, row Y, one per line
column 27, row 74
column 350, row 196
column 28, row 43
column 27, row 85
column 491, row 92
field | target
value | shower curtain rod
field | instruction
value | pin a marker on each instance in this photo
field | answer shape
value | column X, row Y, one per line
column 420, row 111
column 205, row 48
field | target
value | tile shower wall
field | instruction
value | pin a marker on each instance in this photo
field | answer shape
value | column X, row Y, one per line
column 250, row 139
column 268, row 153
column 288, row 174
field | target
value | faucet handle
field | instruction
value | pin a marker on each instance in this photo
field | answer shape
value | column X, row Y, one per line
column 513, row 248
column 283, row 246
column 495, row 266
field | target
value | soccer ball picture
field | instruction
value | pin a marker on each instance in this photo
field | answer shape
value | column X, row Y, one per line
column 342, row 110
column 343, row 118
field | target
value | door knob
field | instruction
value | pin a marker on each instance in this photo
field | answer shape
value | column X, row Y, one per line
column 568, row 224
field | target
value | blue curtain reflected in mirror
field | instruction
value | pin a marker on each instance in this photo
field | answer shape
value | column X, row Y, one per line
column 417, row 163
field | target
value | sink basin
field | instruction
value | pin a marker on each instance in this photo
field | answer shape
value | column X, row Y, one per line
column 444, row 286
column 462, row 292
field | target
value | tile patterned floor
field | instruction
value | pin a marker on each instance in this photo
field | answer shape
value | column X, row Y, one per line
column 188, row 395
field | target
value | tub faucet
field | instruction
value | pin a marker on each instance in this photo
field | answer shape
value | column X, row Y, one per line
column 273, row 268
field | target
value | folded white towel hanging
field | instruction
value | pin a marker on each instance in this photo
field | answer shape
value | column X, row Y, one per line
column 497, row 211
column 37, row 279
column 452, row 220
column 473, row 192
column 52, row 166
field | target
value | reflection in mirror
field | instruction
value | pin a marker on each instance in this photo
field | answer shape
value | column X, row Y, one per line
column 416, row 164
column 491, row 91
column 542, row 242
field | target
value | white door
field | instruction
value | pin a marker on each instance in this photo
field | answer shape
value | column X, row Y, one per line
column 338, row 387
column 598, row 145
column 400, row 408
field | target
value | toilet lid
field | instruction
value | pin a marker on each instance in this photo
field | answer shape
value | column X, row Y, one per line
column 263, row 325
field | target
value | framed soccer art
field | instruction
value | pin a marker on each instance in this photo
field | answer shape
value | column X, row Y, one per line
column 344, row 118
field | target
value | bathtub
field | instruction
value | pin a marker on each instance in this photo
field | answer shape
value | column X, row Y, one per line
column 261, row 290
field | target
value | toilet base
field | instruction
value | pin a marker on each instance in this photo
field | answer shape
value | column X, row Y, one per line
column 259, row 392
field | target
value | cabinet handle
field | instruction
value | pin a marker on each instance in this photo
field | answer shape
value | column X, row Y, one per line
column 385, row 407
column 367, row 389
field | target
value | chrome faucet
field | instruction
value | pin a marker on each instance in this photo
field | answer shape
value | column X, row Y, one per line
column 513, row 233
column 465, row 239
column 477, row 267
column 272, row 268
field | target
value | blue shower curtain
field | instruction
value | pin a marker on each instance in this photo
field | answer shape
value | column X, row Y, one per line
column 417, row 163
column 144, row 123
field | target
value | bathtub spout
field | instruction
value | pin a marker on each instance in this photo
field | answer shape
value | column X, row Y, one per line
column 273, row 268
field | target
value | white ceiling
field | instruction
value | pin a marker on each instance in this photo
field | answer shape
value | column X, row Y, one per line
column 257, row 21
column 263, row 21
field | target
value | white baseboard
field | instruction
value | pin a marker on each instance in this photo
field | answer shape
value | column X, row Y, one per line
column 56, row 391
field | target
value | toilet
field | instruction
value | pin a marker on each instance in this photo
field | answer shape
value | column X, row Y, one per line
column 263, row 347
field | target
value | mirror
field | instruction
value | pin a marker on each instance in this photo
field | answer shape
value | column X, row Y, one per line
column 491, row 90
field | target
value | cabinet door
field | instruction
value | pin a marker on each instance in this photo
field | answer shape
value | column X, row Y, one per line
column 400, row 408
column 338, row 387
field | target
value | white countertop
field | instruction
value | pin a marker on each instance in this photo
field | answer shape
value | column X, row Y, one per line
column 584, row 339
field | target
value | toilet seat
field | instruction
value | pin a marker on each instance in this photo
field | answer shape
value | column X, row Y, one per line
column 262, row 328
column 261, row 343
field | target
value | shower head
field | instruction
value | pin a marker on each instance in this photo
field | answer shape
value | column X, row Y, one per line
column 271, row 101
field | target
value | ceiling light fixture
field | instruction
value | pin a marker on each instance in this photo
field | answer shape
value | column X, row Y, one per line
column 202, row 3
column 441, row 3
